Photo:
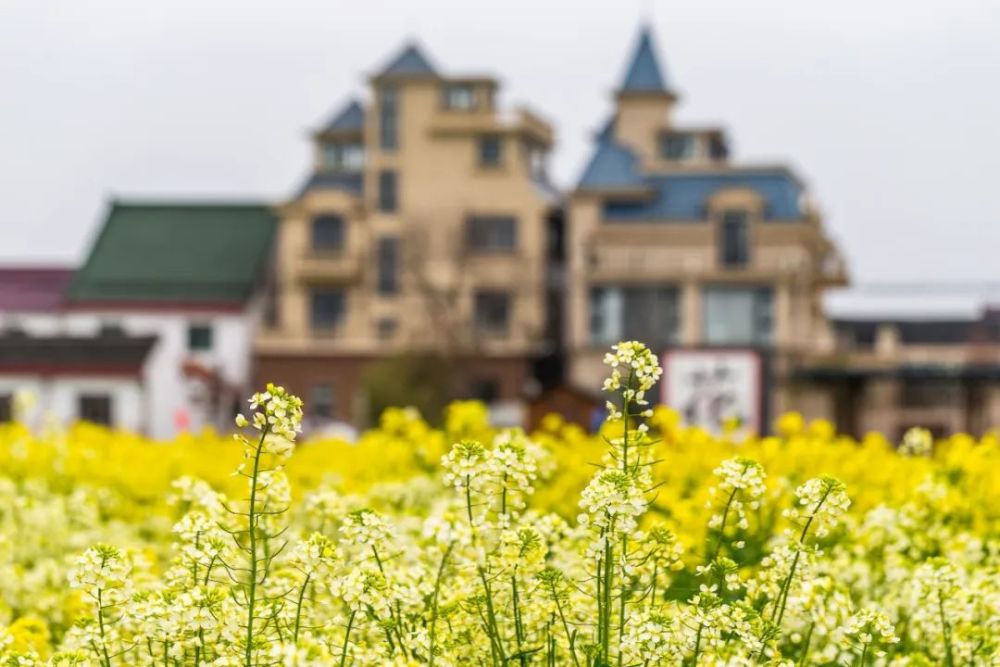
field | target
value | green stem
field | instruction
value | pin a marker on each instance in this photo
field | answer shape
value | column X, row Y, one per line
column 100, row 623
column 493, row 627
column 252, row 526
column 569, row 635
column 608, row 577
column 347, row 638
column 805, row 648
column 518, row 628
column 298, row 609
column 945, row 631
column 434, row 602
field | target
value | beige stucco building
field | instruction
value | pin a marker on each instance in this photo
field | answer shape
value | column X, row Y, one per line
column 428, row 225
column 672, row 243
column 424, row 226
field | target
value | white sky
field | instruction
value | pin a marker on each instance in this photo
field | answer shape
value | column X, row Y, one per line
column 888, row 108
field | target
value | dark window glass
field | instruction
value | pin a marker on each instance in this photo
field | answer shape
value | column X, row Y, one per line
column 492, row 312
column 200, row 337
column 389, row 119
column 490, row 150
column 328, row 233
column 734, row 239
column 459, row 97
column 321, row 402
column 343, row 157
column 326, row 309
column 386, row 328
column 388, row 265
column 929, row 393
column 95, row 408
column 6, row 408
column 677, row 146
column 738, row 315
column 111, row 329
column 486, row 390
column 648, row 313
column 492, row 232
column 388, row 184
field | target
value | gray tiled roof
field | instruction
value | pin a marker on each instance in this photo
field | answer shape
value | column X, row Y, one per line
column 644, row 74
column 348, row 119
column 410, row 62
column 333, row 180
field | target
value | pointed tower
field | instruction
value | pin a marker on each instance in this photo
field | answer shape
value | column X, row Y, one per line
column 645, row 99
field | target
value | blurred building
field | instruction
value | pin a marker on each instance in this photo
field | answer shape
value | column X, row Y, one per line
column 426, row 226
column 673, row 243
column 427, row 249
column 154, row 331
column 888, row 374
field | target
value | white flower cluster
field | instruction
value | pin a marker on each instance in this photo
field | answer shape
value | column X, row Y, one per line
column 642, row 370
column 102, row 572
column 917, row 442
column 741, row 486
column 612, row 503
column 868, row 629
column 820, row 504
column 366, row 528
column 653, row 639
column 275, row 411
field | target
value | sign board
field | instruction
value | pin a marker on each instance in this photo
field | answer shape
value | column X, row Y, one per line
column 707, row 387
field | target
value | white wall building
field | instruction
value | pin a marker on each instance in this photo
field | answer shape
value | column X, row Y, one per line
column 183, row 276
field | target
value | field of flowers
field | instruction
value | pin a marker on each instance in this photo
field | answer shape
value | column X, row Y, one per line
column 650, row 543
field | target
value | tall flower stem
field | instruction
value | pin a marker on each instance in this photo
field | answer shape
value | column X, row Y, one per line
column 252, row 528
column 347, row 639
column 434, row 603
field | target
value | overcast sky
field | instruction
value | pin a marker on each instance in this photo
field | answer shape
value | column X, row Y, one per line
column 888, row 109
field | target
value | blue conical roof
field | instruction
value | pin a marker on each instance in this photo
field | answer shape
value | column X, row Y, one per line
column 348, row 119
column 644, row 74
column 410, row 62
column 612, row 165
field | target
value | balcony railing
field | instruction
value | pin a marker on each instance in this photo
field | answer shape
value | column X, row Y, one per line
column 329, row 266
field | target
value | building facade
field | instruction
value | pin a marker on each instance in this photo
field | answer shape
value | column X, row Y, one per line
column 672, row 242
column 890, row 374
column 425, row 227
column 154, row 331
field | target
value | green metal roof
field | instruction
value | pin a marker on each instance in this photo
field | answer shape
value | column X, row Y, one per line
column 177, row 252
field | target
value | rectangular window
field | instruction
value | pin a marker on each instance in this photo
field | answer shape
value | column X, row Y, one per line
column 485, row 233
column 738, row 315
column 199, row 337
column 386, row 328
column 343, row 157
column 648, row 313
column 388, row 125
column 388, row 265
column 734, row 239
column 321, row 402
column 6, row 408
column 677, row 146
column 328, row 233
column 492, row 313
column 485, row 389
column 95, row 408
column 459, row 97
column 326, row 309
column 490, row 150
column 388, row 197
column 914, row 393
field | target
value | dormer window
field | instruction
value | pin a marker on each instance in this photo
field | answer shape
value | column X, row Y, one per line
column 344, row 157
column 734, row 239
column 677, row 146
column 459, row 97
